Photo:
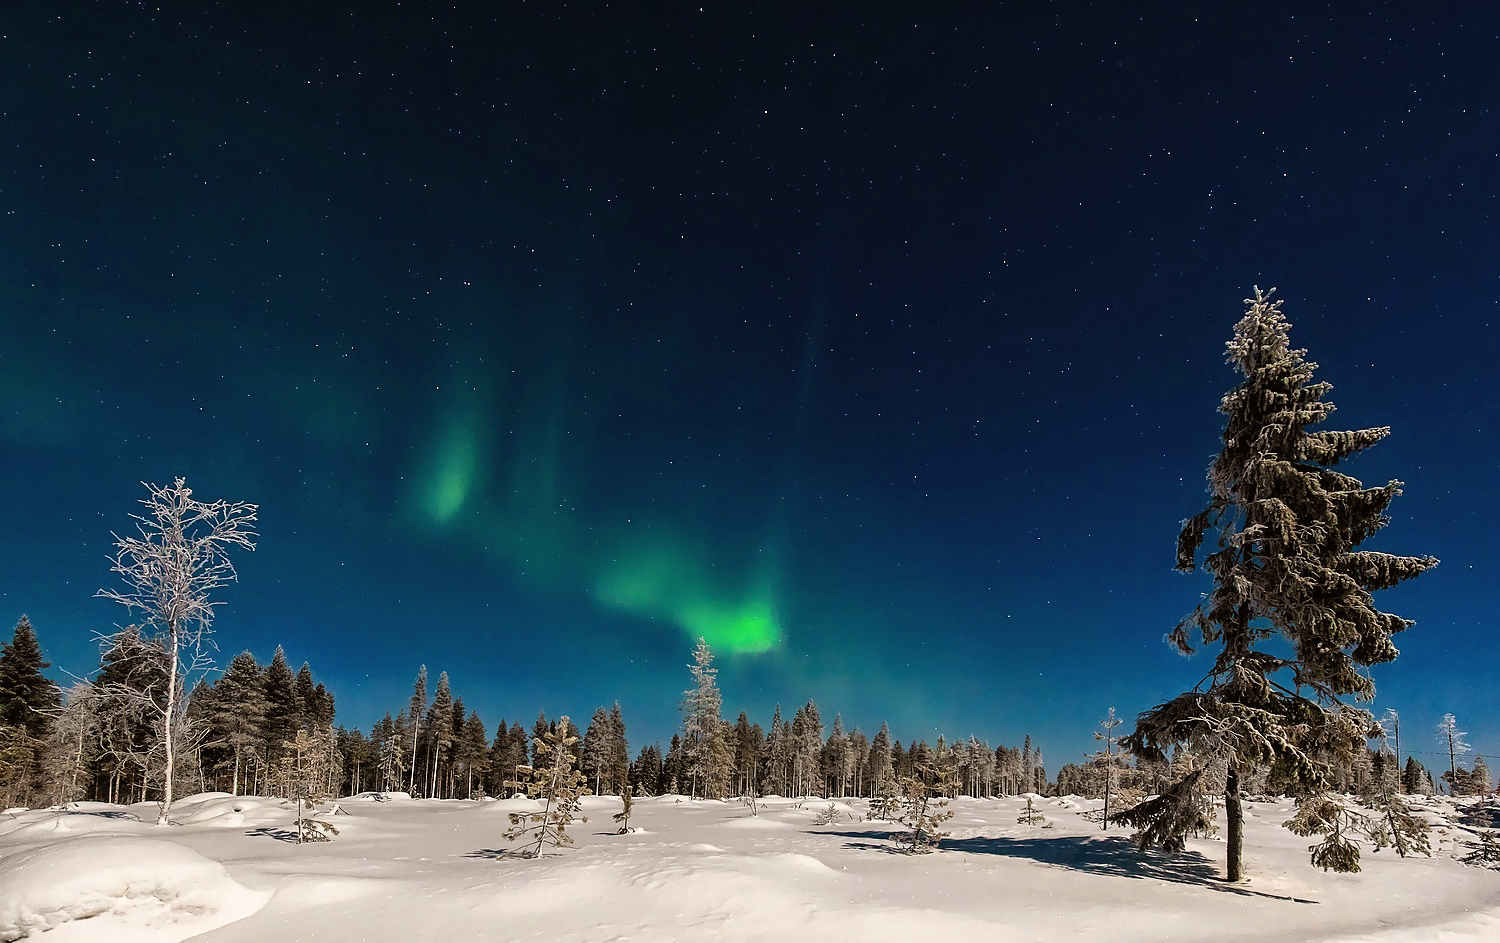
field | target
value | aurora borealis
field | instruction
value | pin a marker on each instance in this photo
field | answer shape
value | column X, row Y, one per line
column 880, row 349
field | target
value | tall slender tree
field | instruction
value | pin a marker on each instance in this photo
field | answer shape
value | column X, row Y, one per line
column 1453, row 742
column 439, row 734
column 1284, row 566
column 704, row 746
column 617, row 752
column 415, row 710
column 172, row 569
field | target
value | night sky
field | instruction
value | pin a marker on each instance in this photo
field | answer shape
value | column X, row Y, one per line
column 883, row 349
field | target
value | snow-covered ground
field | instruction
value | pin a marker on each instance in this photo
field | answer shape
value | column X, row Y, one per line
column 416, row 870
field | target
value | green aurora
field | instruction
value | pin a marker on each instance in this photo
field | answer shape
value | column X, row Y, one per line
column 650, row 572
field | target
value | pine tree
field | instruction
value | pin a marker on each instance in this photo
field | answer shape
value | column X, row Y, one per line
column 539, row 731
column 778, row 755
column 240, row 707
column 310, row 762
column 27, row 703
column 305, row 697
column 1480, row 781
column 557, row 784
column 885, row 802
column 1413, row 777
column 1107, row 756
column 471, row 756
column 923, row 808
column 616, row 752
column 627, row 806
column 416, row 709
column 283, row 715
column 595, row 749
column 704, row 746
column 1285, row 565
column 25, row 693
column 439, row 735
column 879, row 762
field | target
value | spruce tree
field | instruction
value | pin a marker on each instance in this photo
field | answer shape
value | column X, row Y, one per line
column 306, row 698
column 617, row 752
column 705, row 747
column 283, row 715
column 923, row 807
column 595, row 740
column 439, row 735
column 239, row 713
column 1284, row 565
column 27, row 702
column 415, row 709
column 557, row 784
column 627, row 805
column 25, row 693
column 1108, row 757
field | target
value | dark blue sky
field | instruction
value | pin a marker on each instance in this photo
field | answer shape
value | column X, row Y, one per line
column 882, row 349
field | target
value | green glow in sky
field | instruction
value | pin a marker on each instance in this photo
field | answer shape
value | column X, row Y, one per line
column 528, row 523
column 452, row 476
column 665, row 581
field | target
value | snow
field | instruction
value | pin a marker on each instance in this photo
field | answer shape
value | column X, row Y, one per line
column 126, row 887
column 417, row 869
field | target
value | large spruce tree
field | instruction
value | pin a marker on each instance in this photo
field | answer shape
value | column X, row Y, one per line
column 25, row 693
column 27, row 703
column 1291, row 610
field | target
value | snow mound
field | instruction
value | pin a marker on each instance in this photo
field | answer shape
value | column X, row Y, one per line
column 399, row 795
column 132, row 888
column 226, row 811
column 757, row 821
column 54, row 825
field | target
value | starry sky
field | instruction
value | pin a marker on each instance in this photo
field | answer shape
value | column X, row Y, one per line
column 881, row 346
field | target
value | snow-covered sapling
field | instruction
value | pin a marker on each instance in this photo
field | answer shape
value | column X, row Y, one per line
column 924, row 808
column 554, row 781
column 623, row 816
column 1032, row 815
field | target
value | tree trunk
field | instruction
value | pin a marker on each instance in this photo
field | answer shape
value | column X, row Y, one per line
column 166, row 787
column 1236, row 822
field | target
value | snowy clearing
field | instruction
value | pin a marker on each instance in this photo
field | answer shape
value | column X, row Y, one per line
column 404, row 869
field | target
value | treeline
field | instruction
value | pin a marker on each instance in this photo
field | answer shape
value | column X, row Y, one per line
column 269, row 731
column 261, row 730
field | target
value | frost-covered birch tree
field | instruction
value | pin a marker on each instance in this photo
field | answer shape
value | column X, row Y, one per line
column 1291, row 611
column 172, row 570
column 1453, row 742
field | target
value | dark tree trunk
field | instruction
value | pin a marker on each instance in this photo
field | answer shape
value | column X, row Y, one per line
column 1236, row 816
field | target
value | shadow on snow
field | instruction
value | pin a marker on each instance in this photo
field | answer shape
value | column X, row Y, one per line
column 1112, row 856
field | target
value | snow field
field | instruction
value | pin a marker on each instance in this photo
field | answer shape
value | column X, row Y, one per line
column 435, row 870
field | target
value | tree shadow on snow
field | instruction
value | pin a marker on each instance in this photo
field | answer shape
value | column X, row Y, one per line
column 280, row 834
column 1485, row 816
column 1113, row 856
